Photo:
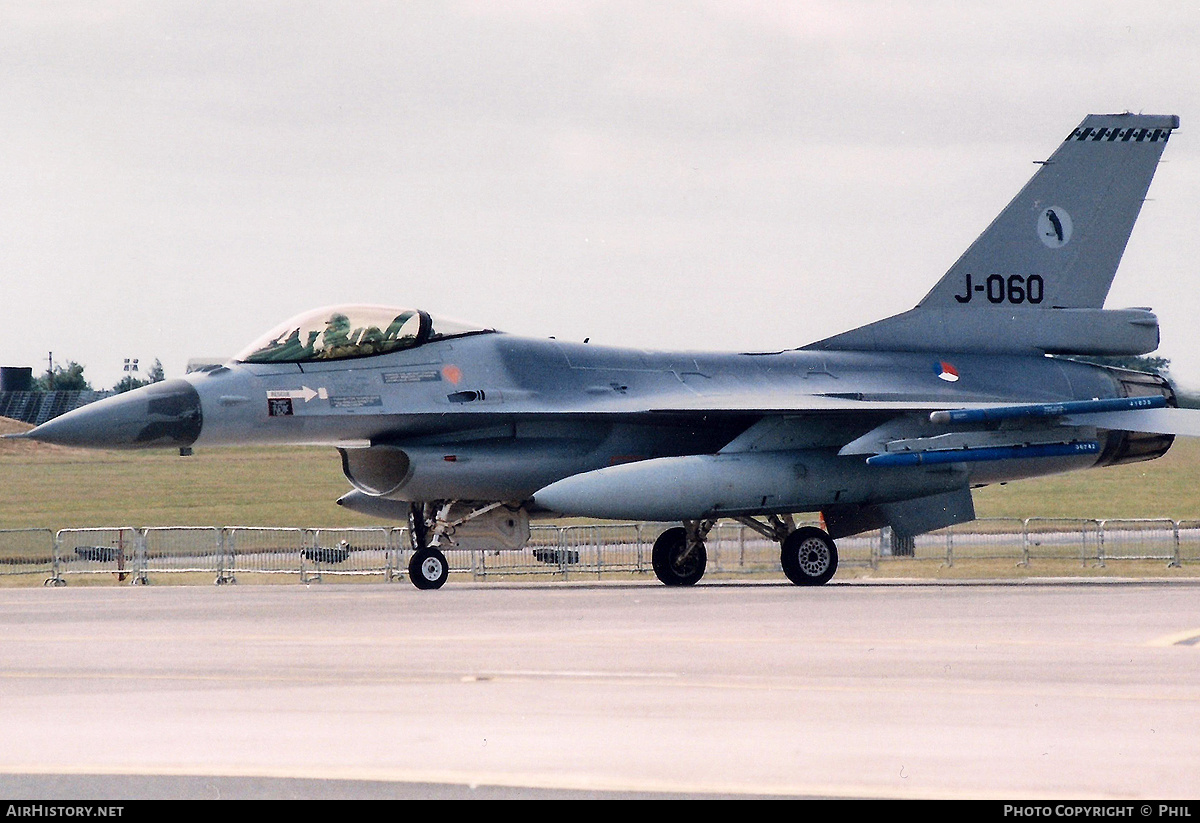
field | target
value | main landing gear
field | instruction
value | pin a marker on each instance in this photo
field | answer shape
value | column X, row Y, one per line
column 679, row 556
column 808, row 555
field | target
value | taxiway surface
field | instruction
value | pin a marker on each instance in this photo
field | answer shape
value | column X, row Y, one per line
column 855, row 689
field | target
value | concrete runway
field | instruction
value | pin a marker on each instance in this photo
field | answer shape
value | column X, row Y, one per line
column 857, row 689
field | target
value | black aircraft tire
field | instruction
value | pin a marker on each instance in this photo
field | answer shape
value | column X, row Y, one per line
column 428, row 569
column 809, row 557
column 672, row 565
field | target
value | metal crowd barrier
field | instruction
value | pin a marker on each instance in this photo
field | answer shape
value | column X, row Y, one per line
column 118, row 550
column 576, row 551
column 27, row 552
column 357, row 551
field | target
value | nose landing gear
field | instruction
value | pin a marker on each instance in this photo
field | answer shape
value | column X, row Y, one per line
column 428, row 568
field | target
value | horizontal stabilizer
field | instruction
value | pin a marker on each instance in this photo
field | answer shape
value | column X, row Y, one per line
column 1180, row 422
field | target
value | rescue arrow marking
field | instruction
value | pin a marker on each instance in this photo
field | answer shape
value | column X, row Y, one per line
column 303, row 393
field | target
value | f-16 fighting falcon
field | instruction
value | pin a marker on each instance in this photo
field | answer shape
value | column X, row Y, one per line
column 453, row 426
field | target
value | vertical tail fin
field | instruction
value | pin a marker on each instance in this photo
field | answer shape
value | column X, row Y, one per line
column 1064, row 234
column 1056, row 246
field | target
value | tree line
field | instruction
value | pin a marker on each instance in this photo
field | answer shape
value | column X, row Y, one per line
column 71, row 378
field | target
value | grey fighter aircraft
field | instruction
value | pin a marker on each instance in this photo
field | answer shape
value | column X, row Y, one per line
column 466, row 431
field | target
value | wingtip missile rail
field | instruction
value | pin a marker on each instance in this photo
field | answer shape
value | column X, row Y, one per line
column 1043, row 410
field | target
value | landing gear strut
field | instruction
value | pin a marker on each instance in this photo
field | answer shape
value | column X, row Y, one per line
column 679, row 556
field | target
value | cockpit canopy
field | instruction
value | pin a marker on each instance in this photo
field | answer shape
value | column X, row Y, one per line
column 341, row 332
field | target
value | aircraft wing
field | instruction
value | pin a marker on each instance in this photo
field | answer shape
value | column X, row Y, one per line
column 996, row 432
column 1143, row 414
column 894, row 415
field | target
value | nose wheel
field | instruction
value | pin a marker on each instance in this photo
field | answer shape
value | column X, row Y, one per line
column 428, row 569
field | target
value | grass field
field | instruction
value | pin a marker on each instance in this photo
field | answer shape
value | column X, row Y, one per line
column 53, row 487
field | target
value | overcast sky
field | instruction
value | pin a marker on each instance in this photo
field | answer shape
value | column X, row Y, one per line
column 177, row 177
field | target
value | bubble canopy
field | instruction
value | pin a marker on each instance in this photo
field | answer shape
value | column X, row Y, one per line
column 343, row 332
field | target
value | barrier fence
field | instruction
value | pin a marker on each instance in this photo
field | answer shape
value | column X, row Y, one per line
column 576, row 551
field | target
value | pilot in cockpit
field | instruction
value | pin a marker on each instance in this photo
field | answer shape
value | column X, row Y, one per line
column 335, row 340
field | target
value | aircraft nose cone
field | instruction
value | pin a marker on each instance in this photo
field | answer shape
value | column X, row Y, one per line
column 161, row 414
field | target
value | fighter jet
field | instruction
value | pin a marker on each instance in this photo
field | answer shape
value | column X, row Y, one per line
column 463, row 430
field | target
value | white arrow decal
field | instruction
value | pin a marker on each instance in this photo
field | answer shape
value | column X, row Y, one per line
column 303, row 393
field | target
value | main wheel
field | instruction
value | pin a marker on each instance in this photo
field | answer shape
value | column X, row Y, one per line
column 428, row 569
column 674, row 563
column 808, row 557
